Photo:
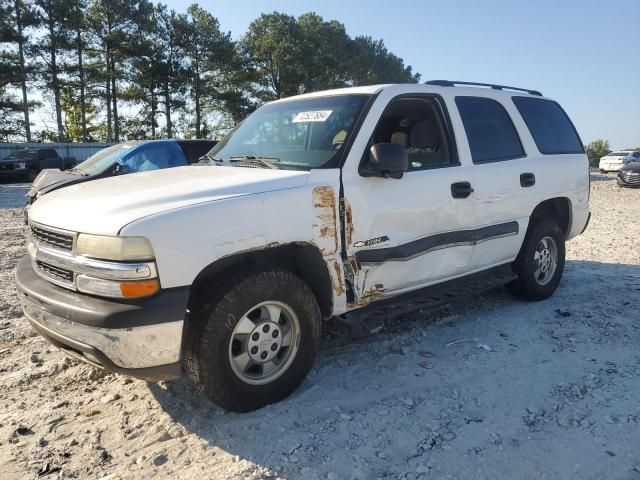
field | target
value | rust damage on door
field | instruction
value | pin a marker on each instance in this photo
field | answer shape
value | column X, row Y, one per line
column 376, row 292
column 348, row 222
column 336, row 280
column 325, row 229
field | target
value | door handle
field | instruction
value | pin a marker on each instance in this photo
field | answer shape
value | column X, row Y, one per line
column 527, row 180
column 461, row 189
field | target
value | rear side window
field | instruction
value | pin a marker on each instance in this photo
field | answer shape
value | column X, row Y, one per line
column 490, row 131
column 47, row 153
column 549, row 125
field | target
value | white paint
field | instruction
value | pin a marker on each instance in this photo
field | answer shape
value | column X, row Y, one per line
column 195, row 216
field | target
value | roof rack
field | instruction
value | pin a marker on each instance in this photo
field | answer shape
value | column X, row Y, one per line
column 453, row 83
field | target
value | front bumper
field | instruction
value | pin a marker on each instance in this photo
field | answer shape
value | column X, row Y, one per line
column 141, row 339
column 630, row 181
column 611, row 167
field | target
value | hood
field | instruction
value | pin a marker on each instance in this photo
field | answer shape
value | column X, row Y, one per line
column 52, row 179
column 106, row 205
column 631, row 167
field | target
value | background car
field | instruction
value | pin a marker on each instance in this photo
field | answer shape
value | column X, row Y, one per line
column 123, row 158
column 629, row 175
column 27, row 163
column 614, row 161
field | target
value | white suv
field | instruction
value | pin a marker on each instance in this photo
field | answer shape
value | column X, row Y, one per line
column 321, row 205
column 614, row 161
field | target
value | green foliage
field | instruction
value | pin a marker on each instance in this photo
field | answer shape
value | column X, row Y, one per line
column 72, row 108
column 289, row 56
column 177, row 74
column 596, row 149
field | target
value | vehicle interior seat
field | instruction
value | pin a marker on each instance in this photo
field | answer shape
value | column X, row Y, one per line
column 425, row 143
column 401, row 138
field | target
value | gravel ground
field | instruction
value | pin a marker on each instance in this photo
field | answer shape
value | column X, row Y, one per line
column 536, row 390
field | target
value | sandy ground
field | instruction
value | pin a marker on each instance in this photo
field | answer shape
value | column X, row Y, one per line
column 546, row 390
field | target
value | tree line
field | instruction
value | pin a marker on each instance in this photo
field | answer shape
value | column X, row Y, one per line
column 109, row 70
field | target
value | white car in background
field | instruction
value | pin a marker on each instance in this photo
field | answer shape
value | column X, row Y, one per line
column 614, row 161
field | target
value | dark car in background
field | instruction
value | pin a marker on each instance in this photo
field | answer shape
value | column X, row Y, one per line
column 629, row 175
column 123, row 158
column 27, row 163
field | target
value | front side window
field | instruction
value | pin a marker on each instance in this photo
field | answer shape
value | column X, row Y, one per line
column 490, row 131
column 297, row 134
column 549, row 125
column 417, row 124
column 636, row 155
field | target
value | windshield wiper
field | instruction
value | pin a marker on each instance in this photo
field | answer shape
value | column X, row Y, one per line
column 80, row 171
column 209, row 159
column 267, row 162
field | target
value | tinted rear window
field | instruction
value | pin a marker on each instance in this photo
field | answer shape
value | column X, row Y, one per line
column 617, row 154
column 490, row 131
column 549, row 125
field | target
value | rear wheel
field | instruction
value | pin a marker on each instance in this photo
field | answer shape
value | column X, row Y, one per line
column 540, row 263
column 254, row 340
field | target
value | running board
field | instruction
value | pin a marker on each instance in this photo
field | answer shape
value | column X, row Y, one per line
column 363, row 322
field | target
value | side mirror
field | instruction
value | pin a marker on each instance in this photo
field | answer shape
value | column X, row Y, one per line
column 120, row 169
column 387, row 160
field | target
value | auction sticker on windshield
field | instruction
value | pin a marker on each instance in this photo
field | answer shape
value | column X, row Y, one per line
column 312, row 116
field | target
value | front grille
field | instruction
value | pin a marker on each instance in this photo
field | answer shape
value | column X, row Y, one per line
column 57, row 239
column 55, row 273
column 632, row 178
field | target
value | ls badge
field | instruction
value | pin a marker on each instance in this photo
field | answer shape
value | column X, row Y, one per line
column 371, row 241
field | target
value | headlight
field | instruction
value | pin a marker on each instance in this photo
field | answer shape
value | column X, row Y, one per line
column 20, row 166
column 123, row 249
column 117, row 289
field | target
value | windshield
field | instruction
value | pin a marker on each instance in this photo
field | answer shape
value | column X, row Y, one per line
column 105, row 158
column 617, row 154
column 306, row 133
column 25, row 153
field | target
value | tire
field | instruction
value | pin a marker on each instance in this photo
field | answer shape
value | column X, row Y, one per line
column 540, row 263
column 214, row 347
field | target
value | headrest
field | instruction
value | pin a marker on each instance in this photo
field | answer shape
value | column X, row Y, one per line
column 425, row 134
column 400, row 138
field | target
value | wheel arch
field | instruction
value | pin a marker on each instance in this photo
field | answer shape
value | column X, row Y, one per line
column 302, row 258
column 557, row 208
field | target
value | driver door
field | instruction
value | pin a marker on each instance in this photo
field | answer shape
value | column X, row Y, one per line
column 406, row 233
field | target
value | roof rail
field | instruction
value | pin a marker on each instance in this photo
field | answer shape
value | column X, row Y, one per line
column 453, row 83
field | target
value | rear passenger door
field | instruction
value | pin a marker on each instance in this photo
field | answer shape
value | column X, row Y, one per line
column 503, row 178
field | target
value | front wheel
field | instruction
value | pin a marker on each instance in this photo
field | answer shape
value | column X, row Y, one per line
column 540, row 263
column 254, row 339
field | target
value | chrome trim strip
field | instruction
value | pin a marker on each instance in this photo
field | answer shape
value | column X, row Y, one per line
column 138, row 347
column 100, row 268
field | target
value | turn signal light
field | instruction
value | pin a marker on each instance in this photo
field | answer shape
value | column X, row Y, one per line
column 139, row 289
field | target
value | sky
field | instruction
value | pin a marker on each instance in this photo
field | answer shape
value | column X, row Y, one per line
column 583, row 53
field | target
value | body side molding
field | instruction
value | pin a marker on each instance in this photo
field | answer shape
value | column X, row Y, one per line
column 428, row 244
